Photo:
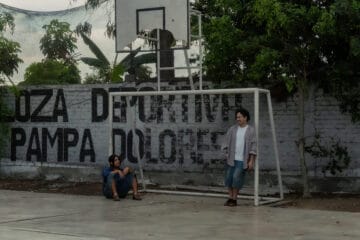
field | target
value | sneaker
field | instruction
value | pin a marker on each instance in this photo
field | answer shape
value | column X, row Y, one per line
column 232, row 203
column 136, row 197
column 116, row 197
column 227, row 203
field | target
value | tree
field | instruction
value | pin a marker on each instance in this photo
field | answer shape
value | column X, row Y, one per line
column 108, row 72
column 110, row 25
column 51, row 72
column 340, row 29
column 9, row 50
column 59, row 42
column 59, row 66
column 9, row 63
column 286, row 43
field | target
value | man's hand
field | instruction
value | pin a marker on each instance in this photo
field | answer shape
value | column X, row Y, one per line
column 121, row 174
column 125, row 172
column 251, row 162
column 250, row 165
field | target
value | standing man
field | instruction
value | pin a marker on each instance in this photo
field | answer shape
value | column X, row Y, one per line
column 240, row 149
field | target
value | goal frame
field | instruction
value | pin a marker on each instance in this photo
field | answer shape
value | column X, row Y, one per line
column 258, row 200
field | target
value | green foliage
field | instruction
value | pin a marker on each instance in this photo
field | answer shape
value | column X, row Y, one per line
column 10, row 60
column 110, row 31
column 6, row 22
column 133, row 64
column 93, row 3
column 4, row 127
column 92, row 79
column 293, row 43
column 343, row 55
column 58, row 43
column 220, row 43
column 9, row 63
column 84, row 28
column 59, row 66
column 288, row 30
column 51, row 72
column 222, row 34
column 333, row 151
column 107, row 72
column 9, row 50
column 281, row 44
column 116, row 72
column 100, row 61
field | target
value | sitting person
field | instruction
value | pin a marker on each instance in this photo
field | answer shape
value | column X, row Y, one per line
column 117, row 181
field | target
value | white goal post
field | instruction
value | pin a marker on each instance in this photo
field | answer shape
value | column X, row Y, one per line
column 258, row 200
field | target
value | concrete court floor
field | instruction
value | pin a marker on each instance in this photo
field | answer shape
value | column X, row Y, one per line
column 40, row 216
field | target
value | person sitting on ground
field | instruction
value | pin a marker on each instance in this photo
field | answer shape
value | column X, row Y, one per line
column 117, row 181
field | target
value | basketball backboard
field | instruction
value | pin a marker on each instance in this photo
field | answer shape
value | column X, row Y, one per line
column 133, row 17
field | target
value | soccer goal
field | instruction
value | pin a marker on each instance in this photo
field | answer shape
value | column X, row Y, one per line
column 182, row 131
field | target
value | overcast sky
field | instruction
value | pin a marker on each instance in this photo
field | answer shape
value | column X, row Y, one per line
column 43, row 5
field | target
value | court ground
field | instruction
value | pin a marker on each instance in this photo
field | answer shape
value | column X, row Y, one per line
column 30, row 215
column 331, row 202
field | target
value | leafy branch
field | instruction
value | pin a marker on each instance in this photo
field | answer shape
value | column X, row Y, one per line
column 333, row 151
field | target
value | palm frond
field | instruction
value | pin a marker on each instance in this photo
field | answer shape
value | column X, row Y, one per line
column 144, row 59
column 94, row 49
column 94, row 62
column 116, row 74
column 126, row 60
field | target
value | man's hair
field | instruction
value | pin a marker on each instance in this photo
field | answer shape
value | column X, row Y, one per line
column 243, row 112
column 112, row 159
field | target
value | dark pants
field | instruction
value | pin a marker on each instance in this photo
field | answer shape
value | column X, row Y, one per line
column 123, row 185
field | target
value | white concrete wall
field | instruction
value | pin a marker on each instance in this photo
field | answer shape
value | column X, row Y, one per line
column 68, row 126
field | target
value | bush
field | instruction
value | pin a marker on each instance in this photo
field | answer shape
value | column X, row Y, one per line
column 51, row 72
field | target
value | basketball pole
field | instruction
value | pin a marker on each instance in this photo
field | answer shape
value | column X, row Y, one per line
column 158, row 57
column 200, row 52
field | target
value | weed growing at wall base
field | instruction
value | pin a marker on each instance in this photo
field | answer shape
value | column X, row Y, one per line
column 336, row 154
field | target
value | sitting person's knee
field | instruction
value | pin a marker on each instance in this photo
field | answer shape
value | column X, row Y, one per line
column 127, row 170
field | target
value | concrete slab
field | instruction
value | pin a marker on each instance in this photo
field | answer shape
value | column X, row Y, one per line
column 28, row 215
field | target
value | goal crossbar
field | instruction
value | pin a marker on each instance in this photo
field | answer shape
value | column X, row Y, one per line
column 258, row 200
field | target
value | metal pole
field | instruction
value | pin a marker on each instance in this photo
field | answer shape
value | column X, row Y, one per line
column 136, row 144
column 189, row 70
column 158, row 58
column 187, row 92
column 110, row 99
column 256, row 175
column 220, row 195
column 276, row 152
column 174, row 68
column 200, row 52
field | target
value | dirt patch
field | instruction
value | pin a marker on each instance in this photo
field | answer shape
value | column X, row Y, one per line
column 331, row 202
column 79, row 188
